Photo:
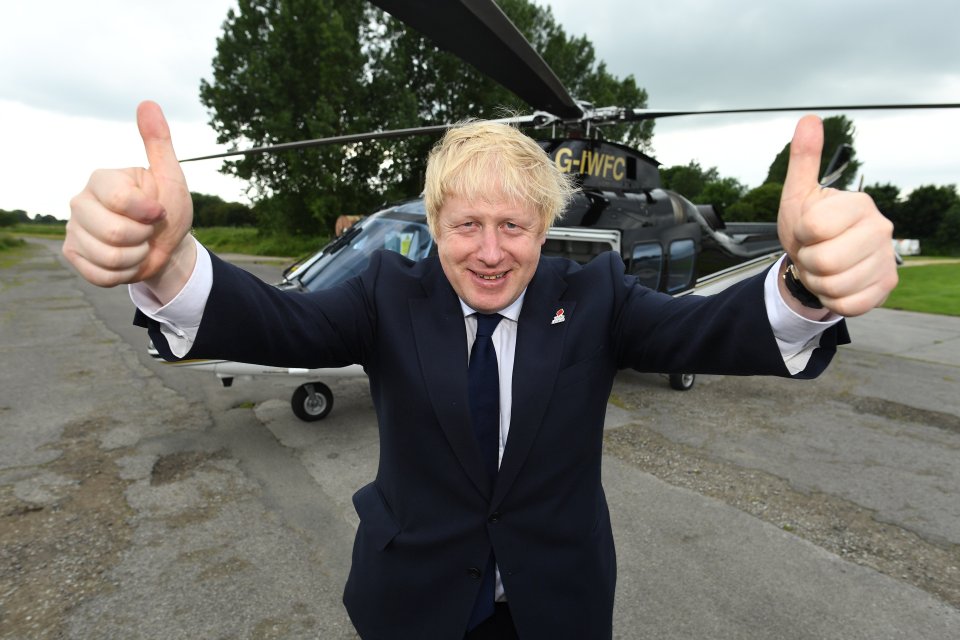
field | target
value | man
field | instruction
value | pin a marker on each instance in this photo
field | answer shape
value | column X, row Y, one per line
column 457, row 518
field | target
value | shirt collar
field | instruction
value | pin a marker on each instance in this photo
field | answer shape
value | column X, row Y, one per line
column 511, row 312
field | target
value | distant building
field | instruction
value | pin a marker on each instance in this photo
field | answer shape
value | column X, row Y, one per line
column 906, row 246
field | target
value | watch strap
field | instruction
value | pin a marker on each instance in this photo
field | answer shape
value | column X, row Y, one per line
column 791, row 278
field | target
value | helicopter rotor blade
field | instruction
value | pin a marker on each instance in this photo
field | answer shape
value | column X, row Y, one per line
column 651, row 114
column 478, row 32
column 534, row 120
column 837, row 165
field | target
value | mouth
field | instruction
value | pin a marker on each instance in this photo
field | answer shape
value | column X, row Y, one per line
column 492, row 276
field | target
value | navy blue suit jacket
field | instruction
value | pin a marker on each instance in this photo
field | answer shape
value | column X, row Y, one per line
column 429, row 518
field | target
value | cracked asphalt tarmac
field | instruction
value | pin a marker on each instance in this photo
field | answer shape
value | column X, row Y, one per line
column 141, row 501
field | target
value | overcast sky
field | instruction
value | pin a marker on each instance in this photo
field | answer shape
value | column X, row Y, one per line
column 72, row 73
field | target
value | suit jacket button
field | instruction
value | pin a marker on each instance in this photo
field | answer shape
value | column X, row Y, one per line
column 474, row 573
column 494, row 517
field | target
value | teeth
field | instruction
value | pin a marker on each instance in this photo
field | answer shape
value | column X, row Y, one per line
column 494, row 277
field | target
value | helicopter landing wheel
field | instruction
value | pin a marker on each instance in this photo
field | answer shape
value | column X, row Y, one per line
column 312, row 401
column 682, row 381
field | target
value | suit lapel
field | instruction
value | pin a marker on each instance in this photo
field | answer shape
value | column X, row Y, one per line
column 441, row 342
column 536, row 363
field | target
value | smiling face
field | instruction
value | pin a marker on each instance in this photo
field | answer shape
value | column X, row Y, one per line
column 488, row 250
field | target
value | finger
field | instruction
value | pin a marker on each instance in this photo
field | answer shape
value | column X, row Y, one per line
column 854, row 288
column 77, row 249
column 106, row 256
column 863, row 299
column 859, row 271
column 835, row 213
column 803, row 168
column 103, row 221
column 838, row 256
column 157, row 142
column 129, row 192
column 94, row 274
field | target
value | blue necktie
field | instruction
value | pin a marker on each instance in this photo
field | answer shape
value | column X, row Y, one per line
column 483, row 386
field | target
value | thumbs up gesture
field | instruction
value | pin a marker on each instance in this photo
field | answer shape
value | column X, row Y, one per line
column 131, row 225
column 839, row 240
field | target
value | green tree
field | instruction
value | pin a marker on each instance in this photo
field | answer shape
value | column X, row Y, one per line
column 837, row 130
column 757, row 205
column 46, row 218
column 702, row 186
column 946, row 241
column 214, row 211
column 924, row 210
column 17, row 216
column 887, row 199
column 289, row 70
column 688, row 180
column 723, row 192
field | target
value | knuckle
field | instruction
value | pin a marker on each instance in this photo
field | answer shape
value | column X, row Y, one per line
column 115, row 234
column 77, row 202
column 117, row 200
column 892, row 280
column 814, row 227
column 113, row 258
column 816, row 262
column 833, row 288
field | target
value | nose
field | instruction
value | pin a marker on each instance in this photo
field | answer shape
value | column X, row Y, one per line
column 490, row 252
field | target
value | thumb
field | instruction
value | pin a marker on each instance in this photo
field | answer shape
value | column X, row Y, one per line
column 803, row 169
column 157, row 143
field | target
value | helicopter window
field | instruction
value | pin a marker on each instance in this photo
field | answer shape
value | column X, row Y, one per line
column 402, row 235
column 582, row 251
column 646, row 262
column 682, row 258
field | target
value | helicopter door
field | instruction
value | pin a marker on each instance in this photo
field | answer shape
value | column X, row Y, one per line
column 646, row 263
column 682, row 261
column 665, row 259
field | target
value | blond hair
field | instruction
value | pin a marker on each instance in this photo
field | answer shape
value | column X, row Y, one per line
column 494, row 162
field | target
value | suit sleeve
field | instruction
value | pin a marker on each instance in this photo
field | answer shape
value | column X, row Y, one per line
column 246, row 320
column 728, row 333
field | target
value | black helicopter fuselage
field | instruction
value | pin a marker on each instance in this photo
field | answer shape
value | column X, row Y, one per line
column 665, row 239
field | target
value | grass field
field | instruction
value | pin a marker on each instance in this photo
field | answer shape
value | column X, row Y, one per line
column 12, row 250
column 9, row 242
column 250, row 241
column 928, row 288
column 42, row 230
column 220, row 239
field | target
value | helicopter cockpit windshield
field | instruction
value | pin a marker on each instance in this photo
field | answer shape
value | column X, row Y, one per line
column 402, row 229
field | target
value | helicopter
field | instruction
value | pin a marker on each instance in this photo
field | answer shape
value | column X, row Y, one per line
column 666, row 241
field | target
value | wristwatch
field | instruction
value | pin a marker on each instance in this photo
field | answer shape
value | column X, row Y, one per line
column 791, row 277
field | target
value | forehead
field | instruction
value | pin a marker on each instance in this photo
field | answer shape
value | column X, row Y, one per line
column 489, row 205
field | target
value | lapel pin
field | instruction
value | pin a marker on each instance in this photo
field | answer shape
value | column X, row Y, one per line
column 558, row 318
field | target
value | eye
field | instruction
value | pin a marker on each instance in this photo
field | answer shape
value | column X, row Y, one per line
column 511, row 226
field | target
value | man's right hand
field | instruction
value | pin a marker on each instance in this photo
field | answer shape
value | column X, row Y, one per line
column 132, row 225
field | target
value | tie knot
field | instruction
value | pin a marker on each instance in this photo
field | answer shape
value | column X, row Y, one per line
column 486, row 323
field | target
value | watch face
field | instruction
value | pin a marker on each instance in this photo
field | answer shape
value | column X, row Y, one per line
column 798, row 291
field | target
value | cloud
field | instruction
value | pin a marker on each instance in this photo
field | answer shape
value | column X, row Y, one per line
column 689, row 53
column 72, row 74
column 101, row 58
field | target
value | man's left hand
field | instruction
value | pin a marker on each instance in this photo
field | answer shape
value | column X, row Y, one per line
column 839, row 240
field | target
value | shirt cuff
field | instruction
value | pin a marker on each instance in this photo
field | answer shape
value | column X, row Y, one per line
column 796, row 336
column 180, row 318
